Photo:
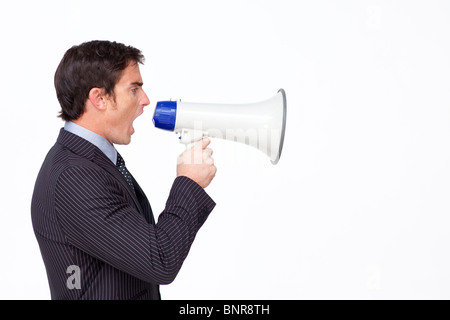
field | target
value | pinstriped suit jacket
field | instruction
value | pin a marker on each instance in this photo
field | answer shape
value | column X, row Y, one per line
column 86, row 215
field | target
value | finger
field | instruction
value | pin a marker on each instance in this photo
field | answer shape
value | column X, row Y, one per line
column 205, row 142
column 197, row 145
column 209, row 160
column 208, row 152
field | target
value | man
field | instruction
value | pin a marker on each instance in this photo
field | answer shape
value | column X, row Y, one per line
column 93, row 222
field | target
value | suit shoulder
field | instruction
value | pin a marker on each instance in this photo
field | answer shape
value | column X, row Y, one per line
column 59, row 160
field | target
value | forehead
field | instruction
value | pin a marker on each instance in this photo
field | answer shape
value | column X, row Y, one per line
column 130, row 75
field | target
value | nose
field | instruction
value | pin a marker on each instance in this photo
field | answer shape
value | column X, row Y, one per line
column 145, row 100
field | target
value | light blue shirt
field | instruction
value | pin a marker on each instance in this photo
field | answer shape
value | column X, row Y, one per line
column 97, row 140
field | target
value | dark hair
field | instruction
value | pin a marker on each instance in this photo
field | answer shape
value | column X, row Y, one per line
column 94, row 64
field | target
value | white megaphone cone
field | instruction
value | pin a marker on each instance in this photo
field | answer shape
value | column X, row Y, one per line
column 261, row 124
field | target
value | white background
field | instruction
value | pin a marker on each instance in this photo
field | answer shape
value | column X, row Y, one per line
column 357, row 208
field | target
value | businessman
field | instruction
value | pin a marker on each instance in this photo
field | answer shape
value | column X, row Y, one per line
column 94, row 225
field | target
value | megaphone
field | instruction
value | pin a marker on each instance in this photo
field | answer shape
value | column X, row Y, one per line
column 261, row 125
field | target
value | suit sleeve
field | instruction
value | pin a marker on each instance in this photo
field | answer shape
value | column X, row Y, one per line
column 96, row 217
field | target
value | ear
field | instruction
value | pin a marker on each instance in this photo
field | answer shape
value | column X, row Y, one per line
column 98, row 98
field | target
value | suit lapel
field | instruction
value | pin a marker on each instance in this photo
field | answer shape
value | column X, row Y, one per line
column 145, row 204
column 103, row 161
column 89, row 151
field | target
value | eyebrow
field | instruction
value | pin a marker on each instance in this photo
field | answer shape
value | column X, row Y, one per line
column 139, row 84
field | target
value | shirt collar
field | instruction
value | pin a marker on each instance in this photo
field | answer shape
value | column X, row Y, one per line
column 100, row 142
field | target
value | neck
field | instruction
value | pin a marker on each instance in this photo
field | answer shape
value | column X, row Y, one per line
column 92, row 125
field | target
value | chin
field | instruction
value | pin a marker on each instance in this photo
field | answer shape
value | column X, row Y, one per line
column 127, row 141
column 124, row 141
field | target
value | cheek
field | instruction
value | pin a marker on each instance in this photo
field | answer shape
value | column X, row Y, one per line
column 128, row 111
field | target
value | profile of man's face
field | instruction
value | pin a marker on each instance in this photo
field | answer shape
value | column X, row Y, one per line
column 128, row 104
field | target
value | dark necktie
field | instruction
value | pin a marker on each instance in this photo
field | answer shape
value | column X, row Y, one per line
column 123, row 170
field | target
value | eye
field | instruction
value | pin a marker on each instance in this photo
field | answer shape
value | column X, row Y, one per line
column 134, row 90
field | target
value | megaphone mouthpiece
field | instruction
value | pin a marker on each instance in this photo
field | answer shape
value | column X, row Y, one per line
column 165, row 115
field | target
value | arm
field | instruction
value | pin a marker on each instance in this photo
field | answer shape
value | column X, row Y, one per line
column 97, row 217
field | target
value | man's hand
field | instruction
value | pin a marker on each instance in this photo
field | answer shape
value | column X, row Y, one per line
column 197, row 164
